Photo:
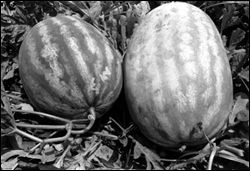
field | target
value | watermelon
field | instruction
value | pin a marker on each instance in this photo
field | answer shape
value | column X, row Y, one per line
column 177, row 77
column 67, row 66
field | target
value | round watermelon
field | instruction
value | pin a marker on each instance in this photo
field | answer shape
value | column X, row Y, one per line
column 177, row 77
column 67, row 67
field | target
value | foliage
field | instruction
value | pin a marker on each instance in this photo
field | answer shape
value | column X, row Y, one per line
column 109, row 145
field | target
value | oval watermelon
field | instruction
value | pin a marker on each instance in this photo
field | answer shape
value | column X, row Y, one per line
column 67, row 66
column 177, row 77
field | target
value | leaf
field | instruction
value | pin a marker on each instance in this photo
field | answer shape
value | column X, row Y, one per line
column 231, row 157
column 131, row 22
column 7, row 123
column 104, row 153
column 20, row 13
column 74, row 7
column 46, row 158
column 22, row 34
column 5, row 9
column 58, row 147
column 95, row 9
column 224, row 40
column 90, row 153
column 243, row 115
column 10, row 73
column 227, row 15
column 149, row 166
column 8, row 18
column 142, row 8
column 137, row 151
column 115, row 158
column 123, row 24
column 105, row 162
column 236, row 37
column 4, row 65
column 245, row 73
column 124, row 141
column 230, row 145
column 149, row 155
column 10, row 164
column 18, row 141
column 226, row 2
column 241, row 52
column 47, row 167
column 246, row 9
column 240, row 107
column 27, row 145
column 79, row 163
column 5, row 100
column 19, row 153
column 232, row 141
column 19, row 32
column 24, row 106
column 12, row 153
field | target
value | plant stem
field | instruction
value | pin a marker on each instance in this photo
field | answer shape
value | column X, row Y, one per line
column 92, row 118
column 23, row 125
column 32, row 137
column 228, row 2
column 50, row 140
column 244, row 83
column 34, row 148
column 117, row 124
column 109, row 136
column 59, row 163
column 43, row 114
column 211, row 158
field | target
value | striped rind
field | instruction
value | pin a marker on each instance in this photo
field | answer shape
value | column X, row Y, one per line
column 68, row 66
column 177, row 76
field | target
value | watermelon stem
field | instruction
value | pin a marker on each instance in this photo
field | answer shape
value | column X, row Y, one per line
column 23, row 125
column 42, row 114
column 108, row 136
column 92, row 118
column 211, row 158
column 49, row 140
column 27, row 135
column 67, row 126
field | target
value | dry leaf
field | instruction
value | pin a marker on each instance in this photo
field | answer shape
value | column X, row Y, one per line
column 12, row 153
column 142, row 8
column 24, row 106
column 10, row 73
column 105, row 163
column 236, row 37
column 240, row 111
column 245, row 73
column 4, row 65
column 10, row 164
column 149, row 155
column 104, row 152
column 95, row 9
column 137, row 151
column 5, row 100
column 227, row 15
column 149, row 166
column 230, row 156
column 48, row 158
column 58, row 147
column 124, row 141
